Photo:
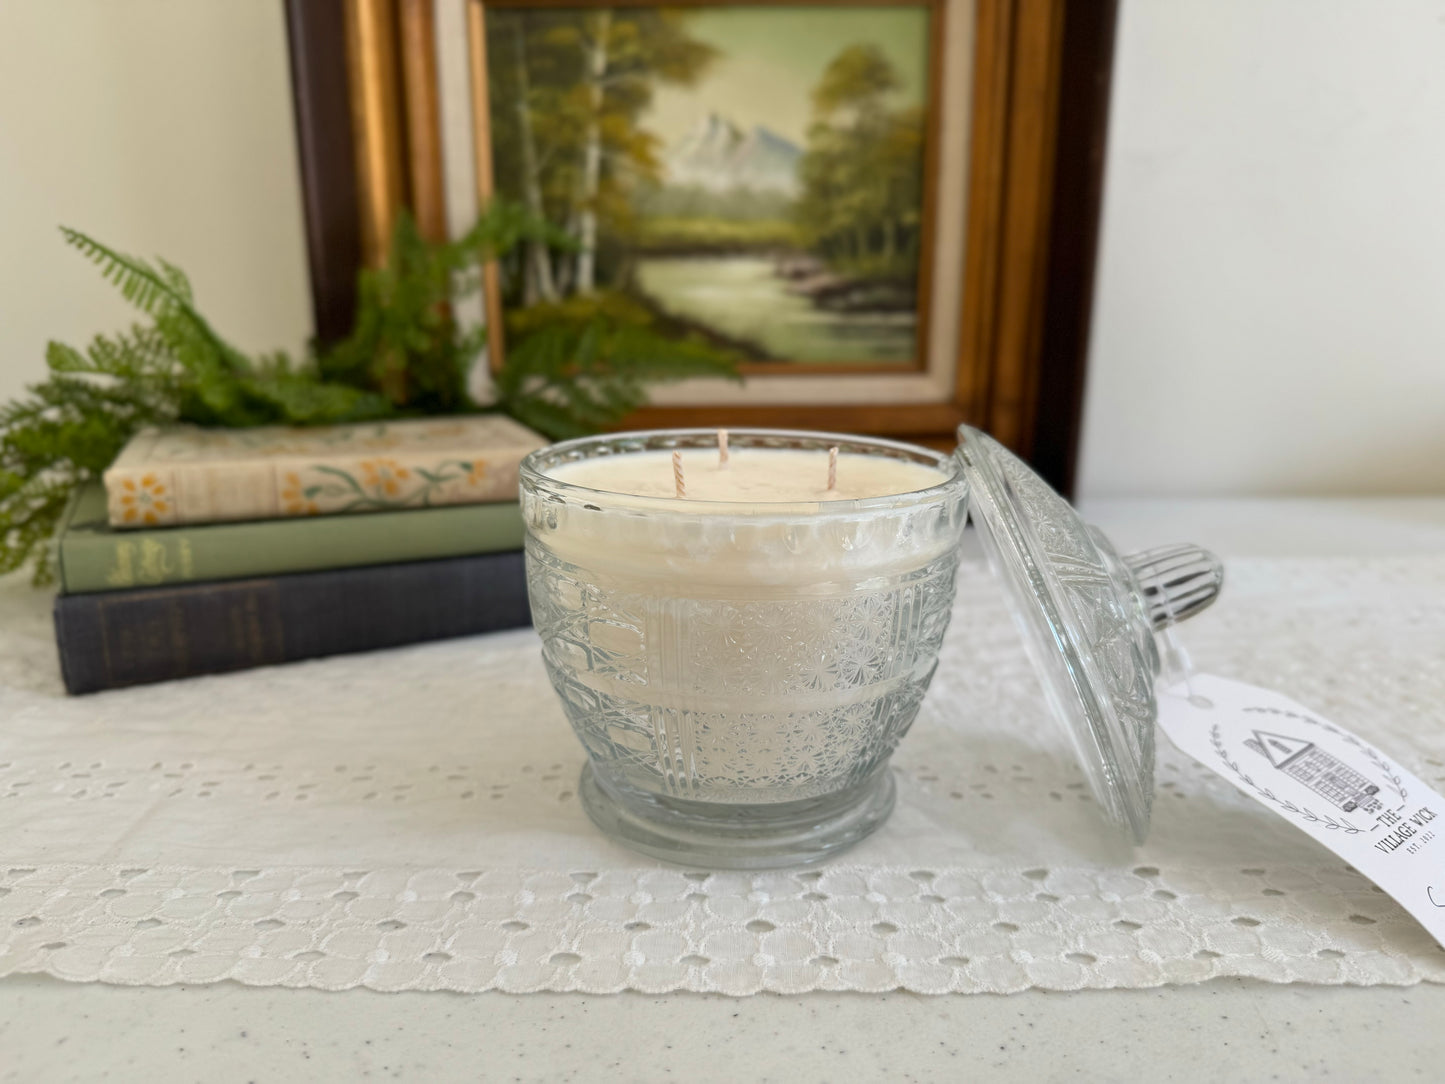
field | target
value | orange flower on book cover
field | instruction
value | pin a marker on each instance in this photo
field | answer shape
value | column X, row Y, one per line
column 143, row 501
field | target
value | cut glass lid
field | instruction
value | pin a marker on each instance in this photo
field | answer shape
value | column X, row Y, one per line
column 1087, row 616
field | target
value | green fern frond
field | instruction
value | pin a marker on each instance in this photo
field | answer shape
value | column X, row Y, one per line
column 585, row 364
column 142, row 285
column 176, row 279
column 30, row 509
column 301, row 400
column 61, row 358
column 163, row 293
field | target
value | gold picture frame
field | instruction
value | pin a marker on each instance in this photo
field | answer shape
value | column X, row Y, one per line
column 1036, row 96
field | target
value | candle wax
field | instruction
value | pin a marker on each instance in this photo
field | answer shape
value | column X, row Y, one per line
column 751, row 476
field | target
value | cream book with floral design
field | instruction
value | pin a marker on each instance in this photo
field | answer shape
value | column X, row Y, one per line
column 192, row 475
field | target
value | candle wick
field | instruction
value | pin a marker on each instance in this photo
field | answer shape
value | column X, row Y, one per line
column 722, row 447
column 833, row 468
column 677, row 474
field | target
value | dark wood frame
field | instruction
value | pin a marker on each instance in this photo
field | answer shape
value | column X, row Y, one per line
column 367, row 123
column 316, row 33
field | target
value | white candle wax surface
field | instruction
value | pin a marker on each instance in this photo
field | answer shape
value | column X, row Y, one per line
column 752, row 476
column 766, row 519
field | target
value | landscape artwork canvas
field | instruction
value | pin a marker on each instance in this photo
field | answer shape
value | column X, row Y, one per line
column 750, row 179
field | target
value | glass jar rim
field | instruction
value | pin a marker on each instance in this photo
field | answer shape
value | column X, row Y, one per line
column 533, row 470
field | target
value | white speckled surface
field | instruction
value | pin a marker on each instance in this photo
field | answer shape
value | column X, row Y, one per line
column 1226, row 1030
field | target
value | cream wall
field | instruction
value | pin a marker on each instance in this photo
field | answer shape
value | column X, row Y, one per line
column 158, row 126
column 1270, row 311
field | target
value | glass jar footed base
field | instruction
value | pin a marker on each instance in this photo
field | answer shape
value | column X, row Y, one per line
column 717, row 835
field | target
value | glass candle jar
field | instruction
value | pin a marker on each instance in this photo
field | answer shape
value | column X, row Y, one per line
column 740, row 670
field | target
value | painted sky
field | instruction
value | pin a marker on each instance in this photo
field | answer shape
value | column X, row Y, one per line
column 772, row 57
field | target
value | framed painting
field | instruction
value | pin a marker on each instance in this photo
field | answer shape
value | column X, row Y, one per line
column 751, row 176
column 886, row 209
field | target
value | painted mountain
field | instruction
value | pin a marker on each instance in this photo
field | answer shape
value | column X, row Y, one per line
column 719, row 157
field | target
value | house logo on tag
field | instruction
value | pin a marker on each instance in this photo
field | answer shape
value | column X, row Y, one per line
column 1325, row 774
column 1333, row 785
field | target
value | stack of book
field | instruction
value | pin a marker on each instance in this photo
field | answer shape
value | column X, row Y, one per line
column 214, row 550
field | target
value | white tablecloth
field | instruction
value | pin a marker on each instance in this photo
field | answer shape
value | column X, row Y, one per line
column 408, row 820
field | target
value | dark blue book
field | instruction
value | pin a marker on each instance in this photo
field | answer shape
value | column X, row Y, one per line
column 116, row 638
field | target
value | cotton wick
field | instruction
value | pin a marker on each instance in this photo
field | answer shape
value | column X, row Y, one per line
column 832, row 468
column 722, row 447
column 677, row 474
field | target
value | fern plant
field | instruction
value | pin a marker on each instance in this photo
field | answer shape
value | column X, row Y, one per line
column 405, row 344
column 406, row 356
column 578, row 366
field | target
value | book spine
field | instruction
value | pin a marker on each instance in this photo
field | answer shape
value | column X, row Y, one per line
column 105, row 560
column 141, row 495
column 124, row 638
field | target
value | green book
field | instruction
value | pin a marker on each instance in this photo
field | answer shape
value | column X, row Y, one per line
column 93, row 557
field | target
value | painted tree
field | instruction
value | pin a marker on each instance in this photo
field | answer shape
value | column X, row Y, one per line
column 596, row 45
column 539, row 283
column 862, row 171
column 857, row 81
column 625, row 52
column 574, row 146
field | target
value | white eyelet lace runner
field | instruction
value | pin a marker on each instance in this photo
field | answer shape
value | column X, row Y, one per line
column 408, row 820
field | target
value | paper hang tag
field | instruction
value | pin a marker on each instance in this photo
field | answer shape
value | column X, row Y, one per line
column 1321, row 778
